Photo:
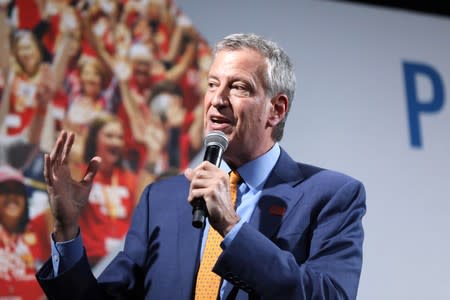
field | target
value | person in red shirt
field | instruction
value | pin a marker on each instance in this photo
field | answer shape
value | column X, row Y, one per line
column 86, row 104
column 25, row 77
column 183, row 127
column 24, row 243
column 104, row 221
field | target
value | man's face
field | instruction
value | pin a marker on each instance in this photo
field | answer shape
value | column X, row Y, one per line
column 236, row 104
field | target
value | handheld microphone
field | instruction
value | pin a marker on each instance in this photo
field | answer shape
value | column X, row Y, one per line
column 216, row 143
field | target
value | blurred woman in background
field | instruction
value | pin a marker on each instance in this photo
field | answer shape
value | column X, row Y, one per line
column 24, row 243
column 86, row 104
column 105, row 219
column 26, row 83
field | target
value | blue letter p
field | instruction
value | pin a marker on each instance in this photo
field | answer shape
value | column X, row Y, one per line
column 416, row 105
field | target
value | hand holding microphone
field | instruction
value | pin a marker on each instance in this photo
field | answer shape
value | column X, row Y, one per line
column 216, row 143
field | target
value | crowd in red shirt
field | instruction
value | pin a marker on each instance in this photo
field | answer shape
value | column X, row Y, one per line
column 127, row 77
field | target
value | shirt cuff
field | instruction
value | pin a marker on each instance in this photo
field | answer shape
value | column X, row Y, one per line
column 66, row 254
column 229, row 237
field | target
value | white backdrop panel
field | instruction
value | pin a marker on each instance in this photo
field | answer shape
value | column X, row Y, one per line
column 350, row 114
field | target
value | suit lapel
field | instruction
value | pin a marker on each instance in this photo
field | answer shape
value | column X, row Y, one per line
column 189, row 244
column 280, row 196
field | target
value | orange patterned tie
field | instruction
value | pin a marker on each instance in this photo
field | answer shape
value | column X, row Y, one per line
column 208, row 282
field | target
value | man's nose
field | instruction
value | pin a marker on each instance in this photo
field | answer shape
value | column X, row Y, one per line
column 221, row 97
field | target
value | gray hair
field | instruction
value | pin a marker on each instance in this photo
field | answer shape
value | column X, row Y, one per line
column 280, row 77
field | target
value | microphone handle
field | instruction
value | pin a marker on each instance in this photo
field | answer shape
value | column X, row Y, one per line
column 199, row 212
column 213, row 154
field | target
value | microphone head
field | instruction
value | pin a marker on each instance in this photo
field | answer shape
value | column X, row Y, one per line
column 217, row 138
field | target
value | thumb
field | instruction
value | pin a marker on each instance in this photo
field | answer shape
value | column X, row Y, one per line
column 189, row 174
column 91, row 170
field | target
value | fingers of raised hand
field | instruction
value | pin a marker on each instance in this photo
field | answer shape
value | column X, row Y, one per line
column 57, row 148
column 47, row 168
column 91, row 170
column 67, row 147
column 60, row 153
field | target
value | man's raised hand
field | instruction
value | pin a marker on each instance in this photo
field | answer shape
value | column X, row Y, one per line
column 67, row 196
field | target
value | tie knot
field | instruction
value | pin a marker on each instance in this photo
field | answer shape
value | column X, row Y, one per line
column 234, row 181
column 234, row 177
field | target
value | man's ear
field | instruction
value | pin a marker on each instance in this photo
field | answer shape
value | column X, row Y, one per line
column 278, row 109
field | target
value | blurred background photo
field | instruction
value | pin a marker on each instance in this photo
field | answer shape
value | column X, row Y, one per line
column 128, row 77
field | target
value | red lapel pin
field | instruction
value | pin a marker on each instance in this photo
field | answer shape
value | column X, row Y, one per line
column 277, row 210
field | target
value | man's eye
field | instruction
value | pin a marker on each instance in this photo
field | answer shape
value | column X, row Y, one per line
column 238, row 87
column 240, row 90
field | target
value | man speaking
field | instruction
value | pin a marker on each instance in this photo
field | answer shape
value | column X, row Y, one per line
column 275, row 228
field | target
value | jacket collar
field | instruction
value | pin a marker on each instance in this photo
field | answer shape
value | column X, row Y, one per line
column 280, row 196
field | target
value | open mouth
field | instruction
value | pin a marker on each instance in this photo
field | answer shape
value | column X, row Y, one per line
column 220, row 120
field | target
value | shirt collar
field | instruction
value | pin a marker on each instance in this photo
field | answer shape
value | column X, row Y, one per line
column 255, row 172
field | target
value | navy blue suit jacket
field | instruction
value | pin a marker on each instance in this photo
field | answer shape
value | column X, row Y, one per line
column 304, row 241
